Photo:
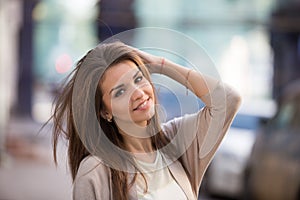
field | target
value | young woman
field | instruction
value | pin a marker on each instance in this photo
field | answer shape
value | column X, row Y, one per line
column 118, row 149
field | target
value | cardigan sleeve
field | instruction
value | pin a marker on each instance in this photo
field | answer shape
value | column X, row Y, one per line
column 216, row 117
column 198, row 135
column 92, row 181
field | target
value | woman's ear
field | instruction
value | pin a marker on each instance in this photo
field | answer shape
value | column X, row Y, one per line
column 106, row 115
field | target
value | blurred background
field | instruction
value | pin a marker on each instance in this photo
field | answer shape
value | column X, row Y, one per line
column 254, row 44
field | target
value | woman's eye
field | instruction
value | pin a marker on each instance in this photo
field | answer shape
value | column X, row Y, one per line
column 138, row 79
column 119, row 92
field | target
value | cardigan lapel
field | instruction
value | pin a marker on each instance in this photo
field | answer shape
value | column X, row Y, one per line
column 181, row 178
column 132, row 191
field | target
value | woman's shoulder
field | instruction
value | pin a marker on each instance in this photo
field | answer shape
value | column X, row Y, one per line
column 92, row 175
column 92, row 167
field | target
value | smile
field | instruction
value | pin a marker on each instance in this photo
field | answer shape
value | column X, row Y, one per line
column 144, row 105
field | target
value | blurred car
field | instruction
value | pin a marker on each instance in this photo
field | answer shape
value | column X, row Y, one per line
column 275, row 161
column 226, row 174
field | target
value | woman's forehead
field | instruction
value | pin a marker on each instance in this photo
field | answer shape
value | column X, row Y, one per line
column 118, row 73
column 120, row 70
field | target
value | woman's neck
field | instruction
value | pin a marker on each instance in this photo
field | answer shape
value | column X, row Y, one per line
column 138, row 145
column 141, row 148
column 136, row 138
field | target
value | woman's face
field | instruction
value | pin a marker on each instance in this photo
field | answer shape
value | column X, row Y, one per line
column 127, row 95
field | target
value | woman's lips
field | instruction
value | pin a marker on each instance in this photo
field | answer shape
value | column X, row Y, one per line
column 144, row 105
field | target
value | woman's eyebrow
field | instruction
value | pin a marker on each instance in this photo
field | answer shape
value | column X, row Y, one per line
column 115, row 88
column 136, row 74
column 119, row 86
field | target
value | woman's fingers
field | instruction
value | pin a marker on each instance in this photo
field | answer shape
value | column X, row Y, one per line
column 152, row 62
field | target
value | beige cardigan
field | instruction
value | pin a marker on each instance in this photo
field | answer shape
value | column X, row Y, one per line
column 203, row 133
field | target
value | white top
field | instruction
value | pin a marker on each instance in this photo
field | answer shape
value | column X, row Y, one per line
column 161, row 184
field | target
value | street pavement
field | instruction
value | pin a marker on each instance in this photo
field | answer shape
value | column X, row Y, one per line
column 27, row 170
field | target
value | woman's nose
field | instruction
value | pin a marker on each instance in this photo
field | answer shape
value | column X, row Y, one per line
column 137, row 93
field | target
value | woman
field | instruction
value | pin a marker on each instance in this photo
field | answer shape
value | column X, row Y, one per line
column 125, row 152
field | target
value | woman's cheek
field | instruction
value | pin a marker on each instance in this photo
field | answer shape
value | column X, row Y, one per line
column 120, row 108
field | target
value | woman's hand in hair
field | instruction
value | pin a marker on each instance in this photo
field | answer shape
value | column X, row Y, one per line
column 152, row 62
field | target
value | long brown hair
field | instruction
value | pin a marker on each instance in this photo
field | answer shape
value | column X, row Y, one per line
column 103, row 56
